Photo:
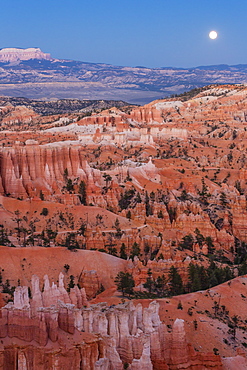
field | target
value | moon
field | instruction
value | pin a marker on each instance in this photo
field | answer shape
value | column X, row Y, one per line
column 213, row 35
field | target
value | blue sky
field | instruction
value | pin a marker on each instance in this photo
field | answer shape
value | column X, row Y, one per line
column 155, row 33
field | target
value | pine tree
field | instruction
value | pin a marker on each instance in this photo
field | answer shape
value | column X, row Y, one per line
column 194, row 278
column 223, row 200
column 187, row 242
column 135, row 251
column 71, row 283
column 148, row 207
column 125, row 283
column 204, row 194
column 175, row 281
column 71, row 242
column 83, row 193
column 4, row 240
column 149, row 284
column 199, row 237
column 128, row 215
column 123, row 253
column 69, row 186
column 210, row 244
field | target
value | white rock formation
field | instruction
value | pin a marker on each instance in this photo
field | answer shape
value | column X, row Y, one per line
column 21, row 299
column 16, row 54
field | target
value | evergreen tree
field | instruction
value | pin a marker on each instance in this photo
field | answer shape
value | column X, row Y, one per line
column 172, row 213
column 66, row 267
column 210, row 244
column 212, row 280
column 199, row 237
column 135, row 250
column 125, row 283
column 148, row 207
column 71, row 282
column 235, row 319
column 18, row 220
column 128, row 215
column 123, row 253
column 83, row 193
column 82, row 229
column 138, row 198
column 228, row 274
column 126, row 198
column 184, row 196
column 160, row 285
column 187, row 242
column 65, row 174
column 238, row 187
column 112, row 250
column 242, row 269
column 51, row 235
column 149, row 284
column 223, row 200
column 204, row 194
column 194, row 278
column 146, row 248
column 118, row 233
column 175, row 280
column 107, row 178
column 203, row 277
column 69, row 185
column 71, row 242
column 4, row 240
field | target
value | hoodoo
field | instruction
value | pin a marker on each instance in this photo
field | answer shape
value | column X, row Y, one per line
column 144, row 211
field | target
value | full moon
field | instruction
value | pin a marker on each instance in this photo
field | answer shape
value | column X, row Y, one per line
column 213, row 35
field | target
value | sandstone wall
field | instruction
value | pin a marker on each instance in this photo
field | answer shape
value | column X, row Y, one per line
column 109, row 336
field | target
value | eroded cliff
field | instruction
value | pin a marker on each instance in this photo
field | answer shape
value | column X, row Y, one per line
column 48, row 330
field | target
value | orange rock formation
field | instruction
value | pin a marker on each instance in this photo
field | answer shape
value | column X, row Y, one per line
column 137, row 184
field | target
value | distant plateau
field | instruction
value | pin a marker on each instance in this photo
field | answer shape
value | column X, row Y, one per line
column 30, row 73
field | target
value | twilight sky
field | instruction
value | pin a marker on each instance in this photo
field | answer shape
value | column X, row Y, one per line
column 151, row 33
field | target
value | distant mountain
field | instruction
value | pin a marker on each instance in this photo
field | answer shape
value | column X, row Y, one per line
column 10, row 55
column 33, row 74
column 63, row 106
column 224, row 67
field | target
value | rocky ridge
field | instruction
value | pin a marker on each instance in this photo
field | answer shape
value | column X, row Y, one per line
column 34, row 74
column 61, row 107
column 110, row 337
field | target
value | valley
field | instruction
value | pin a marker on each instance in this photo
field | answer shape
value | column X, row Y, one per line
column 158, row 192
